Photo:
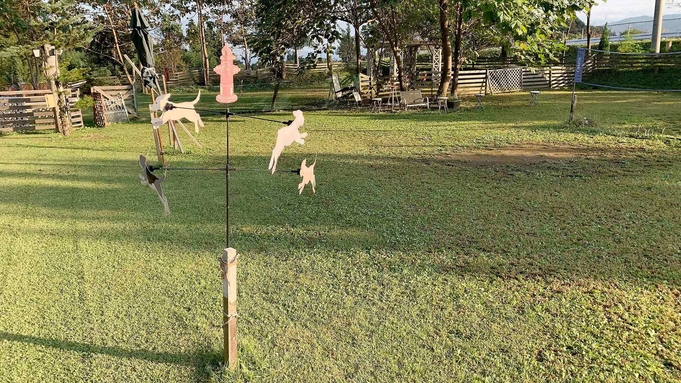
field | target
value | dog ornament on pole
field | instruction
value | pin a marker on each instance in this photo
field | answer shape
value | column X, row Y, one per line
column 228, row 263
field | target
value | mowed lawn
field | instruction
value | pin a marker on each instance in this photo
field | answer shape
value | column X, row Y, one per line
column 499, row 245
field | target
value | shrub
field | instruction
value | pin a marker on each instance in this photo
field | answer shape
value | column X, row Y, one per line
column 604, row 44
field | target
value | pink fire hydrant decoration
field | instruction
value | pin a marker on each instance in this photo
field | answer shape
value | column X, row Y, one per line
column 226, row 70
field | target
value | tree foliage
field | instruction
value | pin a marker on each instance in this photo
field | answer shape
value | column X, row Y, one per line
column 292, row 24
column 28, row 24
column 604, row 44
column 346, row 48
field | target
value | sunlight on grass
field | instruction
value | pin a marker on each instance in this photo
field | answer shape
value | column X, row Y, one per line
column 494, row 245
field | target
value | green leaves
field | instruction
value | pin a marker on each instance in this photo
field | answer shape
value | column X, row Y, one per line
column 293, row 23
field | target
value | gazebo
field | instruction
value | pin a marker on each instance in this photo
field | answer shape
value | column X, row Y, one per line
column 409, row 56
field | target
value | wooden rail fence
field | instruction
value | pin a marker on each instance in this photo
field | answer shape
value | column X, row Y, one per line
column 27, row 110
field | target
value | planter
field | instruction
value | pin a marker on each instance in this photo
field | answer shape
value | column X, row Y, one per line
column 454, row 104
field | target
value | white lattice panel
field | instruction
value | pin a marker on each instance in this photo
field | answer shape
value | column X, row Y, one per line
column 505, row 80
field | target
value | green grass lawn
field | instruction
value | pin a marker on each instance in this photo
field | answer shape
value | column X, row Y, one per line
column 500, row 245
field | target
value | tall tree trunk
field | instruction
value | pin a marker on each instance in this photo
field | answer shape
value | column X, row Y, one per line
column 358, row 46
column 588, row 29
column 457, row 49
column 247, row 57
column 400, row 69
column 117, row 44
column 388, row 25
column 34, row 71
column 295, row 53
column 398, row 62
column 565, row 39
column 355, row 24
column 202, row 40
column 280, row 76
column 329, row 62
column 221, row 29
column 445, row 30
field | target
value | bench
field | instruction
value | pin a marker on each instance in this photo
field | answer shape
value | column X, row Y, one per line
column 413, row 98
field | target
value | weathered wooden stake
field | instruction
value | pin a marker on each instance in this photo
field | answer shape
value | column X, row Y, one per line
column 228, row 264
column 157, row 133
column 573, row 103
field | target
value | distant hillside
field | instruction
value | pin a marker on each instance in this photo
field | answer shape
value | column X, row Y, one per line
column 645, row 23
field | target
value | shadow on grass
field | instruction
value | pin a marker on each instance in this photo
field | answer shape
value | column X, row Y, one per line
column 547, row 218
column 197, row 360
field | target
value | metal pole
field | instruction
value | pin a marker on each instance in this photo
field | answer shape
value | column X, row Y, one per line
column 228, row 264
column 227, row 180
column 657, row 25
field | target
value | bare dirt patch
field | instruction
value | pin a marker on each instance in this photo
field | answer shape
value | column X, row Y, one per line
column 527, row 154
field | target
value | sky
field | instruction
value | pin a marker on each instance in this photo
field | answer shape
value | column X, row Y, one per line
column 615, row 10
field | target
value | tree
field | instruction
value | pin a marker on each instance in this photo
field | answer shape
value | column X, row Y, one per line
column 172, row 40
column 528, row 29
column 346, row 48
column 628, row 45
column 632, row 32
column 28, row 24
column 587, row 6
column 604, row 44
column 356, row 13
column 445, row 32
column 293, row 23
column 113, row 16
column 54, row 27
column 395, row 18
column 243, row 17
column 201, row 8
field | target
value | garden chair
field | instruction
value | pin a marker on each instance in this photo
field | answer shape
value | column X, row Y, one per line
column 337, row 93
column 413, row 98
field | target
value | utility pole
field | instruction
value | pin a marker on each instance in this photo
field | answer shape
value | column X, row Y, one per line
column 588, row 29
column 657, row 25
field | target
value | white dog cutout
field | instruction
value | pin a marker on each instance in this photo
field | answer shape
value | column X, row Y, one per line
column 287, row 136
column 175, row 112
column 307, row 172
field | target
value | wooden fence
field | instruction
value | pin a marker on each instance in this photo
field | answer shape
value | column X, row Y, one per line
column 22, row 111
column 474, row 81
column 618, row 62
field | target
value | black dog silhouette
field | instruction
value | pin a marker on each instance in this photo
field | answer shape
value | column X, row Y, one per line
column 154, row 182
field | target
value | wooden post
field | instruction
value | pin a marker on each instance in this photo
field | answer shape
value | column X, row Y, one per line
column 50, row 66
column 103, row 103
column 228, row 264
column 134, row 99
column 157, row 134
column 159, row 152
column 573, row 103
column 171, row 128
